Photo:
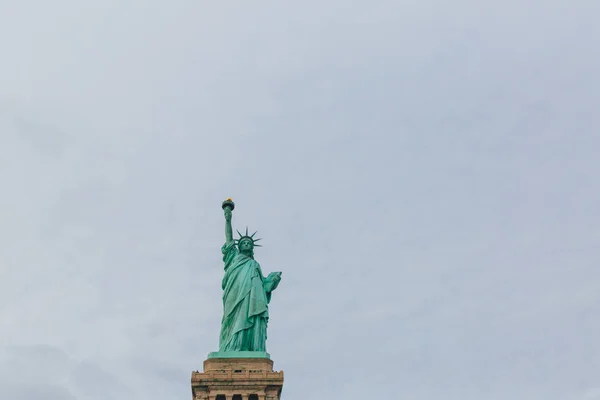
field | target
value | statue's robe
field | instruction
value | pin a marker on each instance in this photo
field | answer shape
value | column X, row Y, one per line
column 246, row 295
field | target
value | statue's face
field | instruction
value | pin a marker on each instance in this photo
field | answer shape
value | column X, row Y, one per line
column 246, row 245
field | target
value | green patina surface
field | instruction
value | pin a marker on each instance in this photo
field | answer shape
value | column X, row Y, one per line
column 246, row 295
column 239, row 354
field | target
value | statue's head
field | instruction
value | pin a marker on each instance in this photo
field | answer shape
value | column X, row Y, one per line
column 246, row 243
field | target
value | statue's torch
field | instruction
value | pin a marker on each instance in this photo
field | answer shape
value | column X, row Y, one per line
column 228, row 203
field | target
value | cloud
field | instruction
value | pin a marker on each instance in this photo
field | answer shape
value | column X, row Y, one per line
column 592, row 394
column 44, row 371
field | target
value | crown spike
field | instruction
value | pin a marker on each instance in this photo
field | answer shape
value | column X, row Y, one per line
column 252, row 236
column 239, row 233
column 246, row 230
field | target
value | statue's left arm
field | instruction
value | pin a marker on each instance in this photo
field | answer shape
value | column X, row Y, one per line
column 272, row 281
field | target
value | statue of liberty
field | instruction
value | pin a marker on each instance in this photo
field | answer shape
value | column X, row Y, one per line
column 246, row 292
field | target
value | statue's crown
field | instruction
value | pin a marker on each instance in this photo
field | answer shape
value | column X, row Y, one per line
column 246, row 236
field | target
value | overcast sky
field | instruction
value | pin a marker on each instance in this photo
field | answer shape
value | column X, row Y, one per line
column 424, row 173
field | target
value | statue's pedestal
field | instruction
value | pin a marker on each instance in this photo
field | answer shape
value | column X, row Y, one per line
column 242, row 378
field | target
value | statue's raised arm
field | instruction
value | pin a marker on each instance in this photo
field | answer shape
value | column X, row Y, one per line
column 228, row 207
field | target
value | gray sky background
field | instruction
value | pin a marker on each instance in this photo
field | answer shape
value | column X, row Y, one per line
column 424, row 173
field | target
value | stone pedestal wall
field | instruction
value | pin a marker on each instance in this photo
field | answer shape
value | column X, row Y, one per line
column 237, row 379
